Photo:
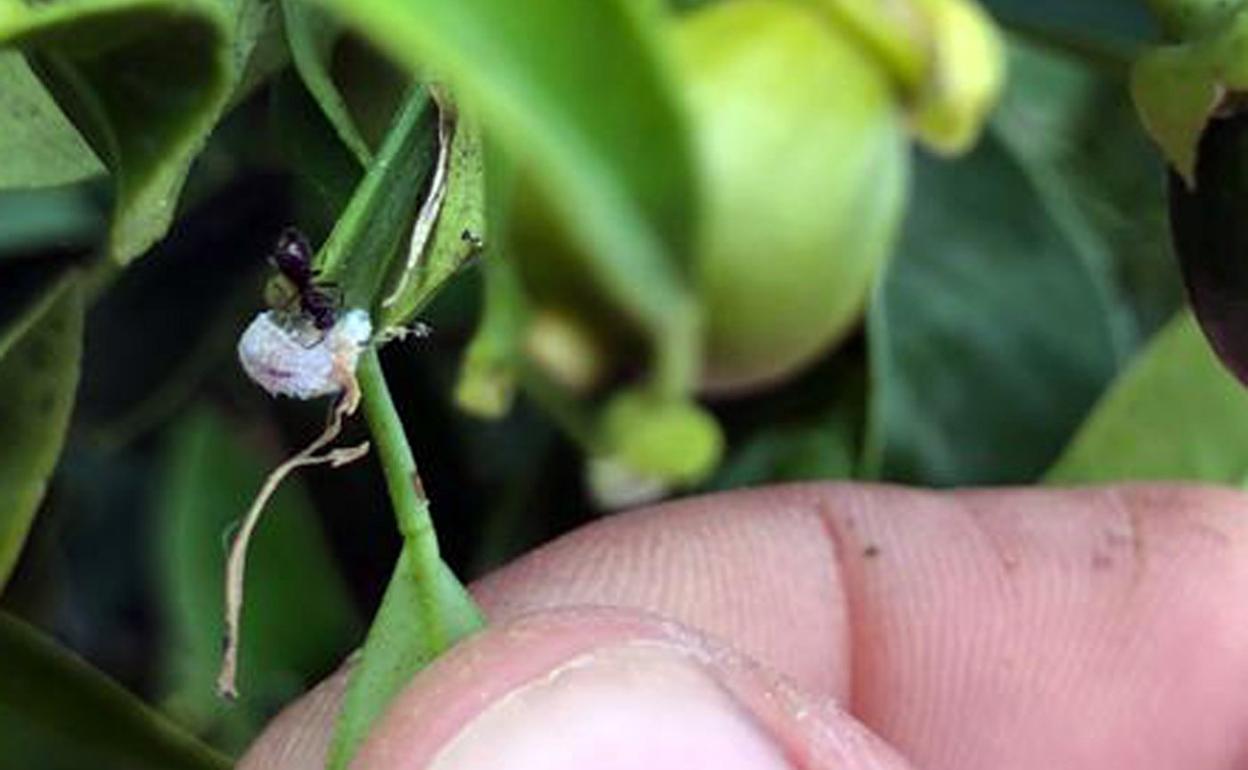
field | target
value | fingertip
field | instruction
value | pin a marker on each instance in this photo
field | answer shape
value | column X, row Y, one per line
column 613, row 690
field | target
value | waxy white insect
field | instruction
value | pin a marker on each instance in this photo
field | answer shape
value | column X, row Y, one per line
column 297, row 360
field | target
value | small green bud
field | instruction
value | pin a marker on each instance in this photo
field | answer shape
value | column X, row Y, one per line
column 676, row 442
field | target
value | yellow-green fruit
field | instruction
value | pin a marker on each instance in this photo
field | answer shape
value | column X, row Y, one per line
column 803, row 158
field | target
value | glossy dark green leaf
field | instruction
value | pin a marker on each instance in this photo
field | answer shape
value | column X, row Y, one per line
column 990, row 335
column 298, row 621
column 1211, row 238
column 144, row 81
column 38, row 144
column 1175, row 414
column 580, row 96
column 39, row 363
column 57, row 712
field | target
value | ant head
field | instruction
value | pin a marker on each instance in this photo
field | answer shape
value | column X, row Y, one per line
column 293, row 254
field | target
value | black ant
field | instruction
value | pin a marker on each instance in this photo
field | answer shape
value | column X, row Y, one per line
column 292, row 256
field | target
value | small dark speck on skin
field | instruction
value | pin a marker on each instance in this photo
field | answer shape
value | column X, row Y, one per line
column 871, row 551
column 1101, row 562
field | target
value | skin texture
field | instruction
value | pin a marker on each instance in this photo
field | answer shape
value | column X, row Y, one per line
column 847, row 627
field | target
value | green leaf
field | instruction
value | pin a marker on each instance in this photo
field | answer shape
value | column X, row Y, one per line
column 1116, row 26
column 1075, row 130
column 144, row 81
column 459, row 231
column 47, row 218
column 377, row 220
column 57, row 713
column 990, row 335
column 583, row 101
column 38, row 144
column 396, row 649
column 259, row 49
column 298, row 620
column 312, row 34
column 1180, row 88
column 811, row 429
column 1175, row 414
column 39, row 362
column 325, row 173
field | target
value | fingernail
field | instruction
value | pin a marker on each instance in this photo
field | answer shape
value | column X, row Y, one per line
column 639, row 706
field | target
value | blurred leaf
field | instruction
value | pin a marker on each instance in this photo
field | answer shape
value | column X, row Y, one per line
column 50, row 218
column 459, row 231
column 39, row 146
column 1211, row 239
column 298, row 621
column 1076, row 132
column 1175, row 414
column 989, row 335
column 39, row 362
column 144, row 80
column 186, row 304
column 822, row 448
column 395, row 649
column 56, row 712
column 1179, row 89
column 1117, row 26
column 312, row 34
column 580, row 96
column 489, row 369
column 325, row 172
column 259, row 47
column 809, row 429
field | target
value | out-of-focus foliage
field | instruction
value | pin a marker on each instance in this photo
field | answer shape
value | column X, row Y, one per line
column 39, row 358
column 147, row 126
column 298, row 618
column 1175, row 414
column 40, row 146
column 58, row 713
column 990, row 333
column 1105, row 26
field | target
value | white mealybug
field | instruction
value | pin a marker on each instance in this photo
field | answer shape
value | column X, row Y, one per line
column 298, row 360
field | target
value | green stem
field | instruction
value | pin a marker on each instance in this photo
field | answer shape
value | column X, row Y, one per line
column 407, row 494
column 425, row 609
